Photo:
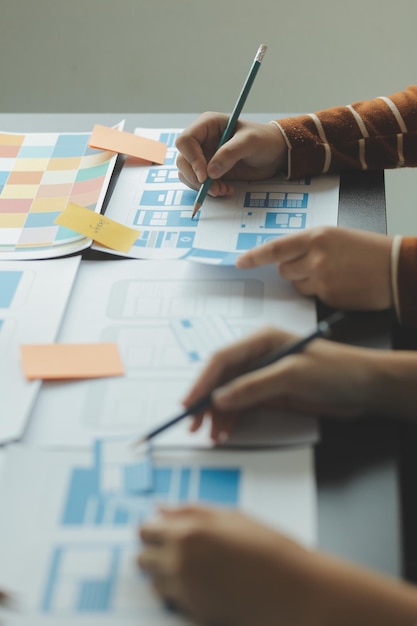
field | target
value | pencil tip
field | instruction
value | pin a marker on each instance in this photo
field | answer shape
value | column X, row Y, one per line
column 196, row 209
column 138, row 442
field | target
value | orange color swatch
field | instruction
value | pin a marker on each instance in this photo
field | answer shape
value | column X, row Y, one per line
column 60, row 361
column 148, row 150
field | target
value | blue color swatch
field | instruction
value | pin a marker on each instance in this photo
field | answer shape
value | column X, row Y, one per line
column 9, row 281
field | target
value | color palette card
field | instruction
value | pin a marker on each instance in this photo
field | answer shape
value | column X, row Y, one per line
column 40, row 173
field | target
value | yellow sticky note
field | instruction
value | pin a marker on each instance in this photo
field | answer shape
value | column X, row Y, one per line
column 149, row 150
column 98, row 227
column 54, row 361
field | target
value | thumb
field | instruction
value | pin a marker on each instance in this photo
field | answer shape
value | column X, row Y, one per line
column 225, row 158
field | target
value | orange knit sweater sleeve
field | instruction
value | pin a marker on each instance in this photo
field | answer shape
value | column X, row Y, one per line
column 367, row 135
column 371, row 134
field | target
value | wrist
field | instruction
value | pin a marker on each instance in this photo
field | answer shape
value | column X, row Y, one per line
column 395, row 253
column 349, row 594
column 391, row 384
column 282, row 164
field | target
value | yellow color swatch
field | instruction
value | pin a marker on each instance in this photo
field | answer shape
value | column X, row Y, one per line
column 19, row 191
column 95, row 226
column 115, row 140
column 9, row 139
column 59, row 361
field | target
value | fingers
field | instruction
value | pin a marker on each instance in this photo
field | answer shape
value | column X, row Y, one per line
column 242, row 393
column 199, row 141
column 157, row 532
column 187, row 176
column 296, row 270
column 231, row 361
column 255, row 151
column 238, row 148
column 222, row 426
column 250, row 390
column 154, row 533
column 153, row 561
column 159, row 535
column 282, row 250
column 305, row 287
column 196, row 145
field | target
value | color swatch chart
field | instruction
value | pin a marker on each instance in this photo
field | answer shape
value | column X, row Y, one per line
column 39, row 174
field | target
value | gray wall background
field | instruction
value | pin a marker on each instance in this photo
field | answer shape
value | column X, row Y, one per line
column 190, row 56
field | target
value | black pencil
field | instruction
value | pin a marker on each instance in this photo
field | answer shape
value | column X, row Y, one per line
column 324, row 329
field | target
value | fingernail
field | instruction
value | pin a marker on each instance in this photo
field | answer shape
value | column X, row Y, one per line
column 221, row 397
column 241, row 261
column 222, row 436
column 200, row 176
column 215, row 170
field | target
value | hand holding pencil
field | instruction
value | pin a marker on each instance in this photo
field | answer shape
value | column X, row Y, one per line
column 217, row 145
column 231, row 124
column 278, row 371
column 255, row 152
column 258, row 354
column 325, row 378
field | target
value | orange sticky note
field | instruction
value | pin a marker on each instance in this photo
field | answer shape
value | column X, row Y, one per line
column 54, row 361
column 98, row 227
column 106, row 138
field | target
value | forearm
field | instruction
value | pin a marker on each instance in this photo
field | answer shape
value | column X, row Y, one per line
column 347, row 594
column 391, row 387
column 404, row 279
column 371, row 134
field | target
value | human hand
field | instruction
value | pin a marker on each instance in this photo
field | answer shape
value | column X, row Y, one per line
column 345, row 268
column 255, row 152
column 326, row 379
column 221, row 567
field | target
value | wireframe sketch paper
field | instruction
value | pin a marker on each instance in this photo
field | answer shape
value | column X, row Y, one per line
column 72, row 560
column 154, row 201
column 33, row 298
column 167, row 319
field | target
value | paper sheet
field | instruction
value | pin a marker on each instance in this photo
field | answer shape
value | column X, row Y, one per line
column 155, row 202
column 167, row 318
column 33, row 299
column 72, row 560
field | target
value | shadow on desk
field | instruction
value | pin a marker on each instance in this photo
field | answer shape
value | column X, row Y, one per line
column 357, row 469
column 367, row 471
column 406, row 339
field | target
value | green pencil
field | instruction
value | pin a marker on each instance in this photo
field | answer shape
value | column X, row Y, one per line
column 231, row 125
